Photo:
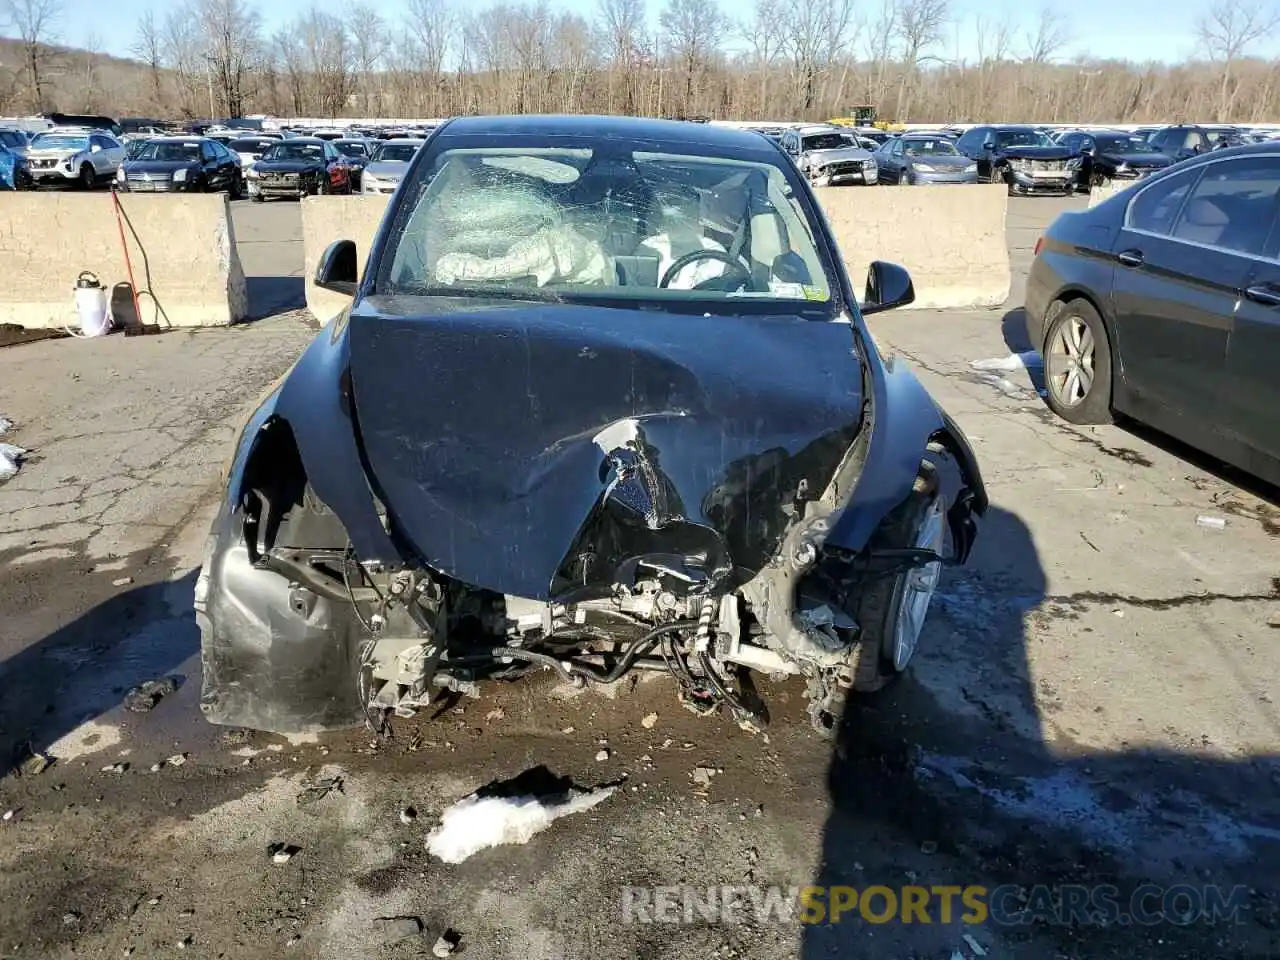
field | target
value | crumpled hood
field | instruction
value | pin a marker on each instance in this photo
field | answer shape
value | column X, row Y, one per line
column 819, row 157
column 1035, row 153
column 165, row 167
column 531, row 449
column 289, row 166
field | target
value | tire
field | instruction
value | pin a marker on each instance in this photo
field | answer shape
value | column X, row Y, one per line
column 236, row 190
column 995, row 175
column 259, row 198
column 904, row 178
column 1077, row 364
column 1099, row 180
column 877, row 659
column 88, row 178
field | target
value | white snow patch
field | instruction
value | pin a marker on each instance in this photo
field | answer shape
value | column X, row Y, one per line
column 474, row 824
column 5, row 426
column 352, row 928
column 10, row 457
column 1010, row 364
column 301, row 739
column 92, row 736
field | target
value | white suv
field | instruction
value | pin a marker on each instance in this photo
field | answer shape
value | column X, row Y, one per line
column 64, row 154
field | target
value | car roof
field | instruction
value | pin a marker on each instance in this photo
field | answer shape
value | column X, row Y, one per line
column 312, row 140
column 176, row 139
column 673, row 132
column 1013, row 126
column 418, row 141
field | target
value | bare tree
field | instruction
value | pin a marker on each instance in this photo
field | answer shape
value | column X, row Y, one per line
column 35, row 22
column 1227, row 30
column 1050, row 34
column 919, row 27
column 816, row 34
column 624, row 36
column 184, row 57
column 763, row 36
column 431, row 29
column 325, row 42
column 148, row 47
column 880, row 43
column 370, row 41
column 232, row 32
column 694, row 31
column 90, row 92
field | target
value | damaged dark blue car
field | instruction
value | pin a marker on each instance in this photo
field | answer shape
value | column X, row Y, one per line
column 604, row 400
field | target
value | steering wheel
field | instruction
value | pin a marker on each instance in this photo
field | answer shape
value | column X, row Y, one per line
column 737, row 275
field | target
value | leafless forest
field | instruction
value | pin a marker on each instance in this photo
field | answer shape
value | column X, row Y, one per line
column 786, row 59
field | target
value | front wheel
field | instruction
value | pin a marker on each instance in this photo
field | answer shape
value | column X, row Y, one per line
column 88, row 178
column 236, row 189
column 891, row 611
column 904, row 178
column 1077, row 364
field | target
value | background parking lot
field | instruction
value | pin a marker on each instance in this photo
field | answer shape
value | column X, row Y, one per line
column 1094, row 701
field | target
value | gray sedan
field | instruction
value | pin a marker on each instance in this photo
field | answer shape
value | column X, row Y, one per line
column 387, row 165
column 914, row 159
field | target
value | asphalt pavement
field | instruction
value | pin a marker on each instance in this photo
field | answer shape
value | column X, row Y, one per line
column 1093, row 708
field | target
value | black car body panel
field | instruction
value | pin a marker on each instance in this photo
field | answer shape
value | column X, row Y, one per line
column 541, row 450
column 527, row 405
column 1191, row 323
column 1025, row 167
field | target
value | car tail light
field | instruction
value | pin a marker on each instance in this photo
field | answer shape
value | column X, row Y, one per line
column 1039, row 244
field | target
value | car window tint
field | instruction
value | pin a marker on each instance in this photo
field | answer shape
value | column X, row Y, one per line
column 1233, row 205
column 1155, row 208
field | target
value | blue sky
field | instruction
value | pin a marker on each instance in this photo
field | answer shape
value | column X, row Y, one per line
column 1101, row 28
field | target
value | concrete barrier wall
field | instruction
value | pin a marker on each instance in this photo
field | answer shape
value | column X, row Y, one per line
column 1098, row 194
column 951, row 239
column 183, row 250
column 326, row 219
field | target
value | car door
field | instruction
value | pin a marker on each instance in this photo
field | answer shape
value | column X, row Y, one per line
column 209, row 166
column 1182, row 258
column 1251, row 391
column 99, row 156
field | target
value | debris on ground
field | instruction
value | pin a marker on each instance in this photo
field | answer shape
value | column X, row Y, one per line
column 503, row 813
column 497, row 713
column 602, row 755
column 1011, row 363
column 320, row 789
column 10, row 814
column 976, row 947
column 122, row 581
column 119, row 767
column 10, row 460
column 446, row 944
column 408, row 815
column 399, row 928
column 146, row 695
column 281, row 853
column 34, row 764
column 649, row 721
column 70, row 918
column 1211, row 523
column 929, row 847
column 702, row 776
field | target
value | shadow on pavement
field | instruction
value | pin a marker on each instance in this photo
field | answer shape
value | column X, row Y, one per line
column 84, row 670
column 984, row 789
column 271, row 295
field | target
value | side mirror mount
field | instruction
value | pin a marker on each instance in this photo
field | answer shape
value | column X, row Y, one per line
column 888, row 286
column 338, row 269
column 95, row 149
column 988, row 144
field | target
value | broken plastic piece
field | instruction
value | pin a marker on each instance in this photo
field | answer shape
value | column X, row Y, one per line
column 1211, row 523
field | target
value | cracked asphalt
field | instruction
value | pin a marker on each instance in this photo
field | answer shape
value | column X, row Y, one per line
column 1094, row 705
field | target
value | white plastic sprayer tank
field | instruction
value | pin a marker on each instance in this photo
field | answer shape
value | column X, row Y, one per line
column 91, row 305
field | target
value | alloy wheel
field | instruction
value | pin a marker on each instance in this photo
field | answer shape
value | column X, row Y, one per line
column 1069, row 364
